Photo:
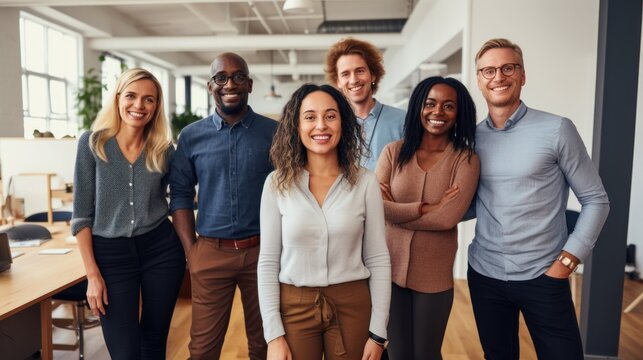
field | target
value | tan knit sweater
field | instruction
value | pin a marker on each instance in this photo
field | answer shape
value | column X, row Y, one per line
column 423, row 248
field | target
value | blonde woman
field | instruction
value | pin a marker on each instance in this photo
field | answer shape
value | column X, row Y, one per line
column 120, row 219
column 324, row 271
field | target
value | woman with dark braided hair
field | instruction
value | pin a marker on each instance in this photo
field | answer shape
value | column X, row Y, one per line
column 324, row 274
column 427, row 180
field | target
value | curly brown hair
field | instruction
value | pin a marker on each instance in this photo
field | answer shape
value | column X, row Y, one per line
column 350, row 46
column 288, row 153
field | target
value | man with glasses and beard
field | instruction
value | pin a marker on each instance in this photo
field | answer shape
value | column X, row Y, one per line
column 226, row 155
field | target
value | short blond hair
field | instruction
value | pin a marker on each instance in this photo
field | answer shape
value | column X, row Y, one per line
column 500, row 44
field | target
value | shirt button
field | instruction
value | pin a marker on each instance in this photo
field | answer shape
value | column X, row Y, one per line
column 130, row 184
column 130, row 166
column 131, row 203
column 132, row 221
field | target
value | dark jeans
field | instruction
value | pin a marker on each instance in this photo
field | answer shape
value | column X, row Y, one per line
column 417, row 323
column 546, row 305
column 149, row 267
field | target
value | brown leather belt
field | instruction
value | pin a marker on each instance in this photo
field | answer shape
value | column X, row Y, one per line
column 238, row 244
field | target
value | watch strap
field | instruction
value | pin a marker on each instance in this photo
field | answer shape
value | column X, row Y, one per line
column 567, row 262
column 378, row 340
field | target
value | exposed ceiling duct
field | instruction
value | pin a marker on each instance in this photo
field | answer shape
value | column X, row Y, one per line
column 361, row 26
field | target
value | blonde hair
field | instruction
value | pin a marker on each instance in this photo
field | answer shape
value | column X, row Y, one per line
column 157, row 133
column 500, row 44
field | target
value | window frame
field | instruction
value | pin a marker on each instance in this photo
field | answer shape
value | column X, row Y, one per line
column 70, row 85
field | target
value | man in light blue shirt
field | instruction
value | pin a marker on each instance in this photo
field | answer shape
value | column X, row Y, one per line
column 355, row 67
column 521, row 256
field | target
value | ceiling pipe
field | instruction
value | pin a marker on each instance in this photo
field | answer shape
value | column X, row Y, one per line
column 277, row 17
column 258, row 69
column 200, row 15
column 361, row 26
column 281, row 16
column 265, row 25
column 237, row 43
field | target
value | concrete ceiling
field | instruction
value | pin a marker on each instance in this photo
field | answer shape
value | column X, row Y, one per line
column 186, row 35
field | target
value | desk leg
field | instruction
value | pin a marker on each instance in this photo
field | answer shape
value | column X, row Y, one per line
column 46, row 330
column 50, row 212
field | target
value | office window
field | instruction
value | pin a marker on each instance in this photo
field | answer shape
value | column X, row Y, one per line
column 111, row 69
column 163, row 77
column 199, row 98
column 179, row 94
column 50, row 73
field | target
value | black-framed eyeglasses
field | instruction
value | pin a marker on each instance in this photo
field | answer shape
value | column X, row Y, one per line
column 489, row 72
column 222, row 79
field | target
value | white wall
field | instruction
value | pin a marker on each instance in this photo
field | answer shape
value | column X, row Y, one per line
column 10, row 73
column 24, row 156
column 432, row 33
column 270, row 107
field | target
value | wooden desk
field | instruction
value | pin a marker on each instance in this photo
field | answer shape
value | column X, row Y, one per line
column 34, row 278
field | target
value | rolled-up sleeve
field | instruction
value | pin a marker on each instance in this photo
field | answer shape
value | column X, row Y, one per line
column 182, row 177
column 84, row 186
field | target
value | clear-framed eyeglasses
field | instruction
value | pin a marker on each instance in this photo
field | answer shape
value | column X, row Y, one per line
column 489, row 72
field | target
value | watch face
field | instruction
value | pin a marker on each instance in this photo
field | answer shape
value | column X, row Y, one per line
column 566, row 261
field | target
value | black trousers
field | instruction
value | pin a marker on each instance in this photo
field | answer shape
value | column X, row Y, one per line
column 417, row 323
column 546, row 304
column 148, row 267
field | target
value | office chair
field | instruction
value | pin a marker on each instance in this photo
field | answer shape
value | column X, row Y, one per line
column 58, row 215
column 25, row 232
column 74, row 294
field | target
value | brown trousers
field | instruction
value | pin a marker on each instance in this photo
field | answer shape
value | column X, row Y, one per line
column 332, row 320
column 215, row 273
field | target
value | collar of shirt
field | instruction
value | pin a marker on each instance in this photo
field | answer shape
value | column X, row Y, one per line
column 513, row 119
column 372, row 113
column 245, row 121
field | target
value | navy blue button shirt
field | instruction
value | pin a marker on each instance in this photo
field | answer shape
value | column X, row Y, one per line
column 230, row 165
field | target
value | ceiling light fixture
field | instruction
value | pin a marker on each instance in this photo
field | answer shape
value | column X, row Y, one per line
column 298, row 6
column 272, row 95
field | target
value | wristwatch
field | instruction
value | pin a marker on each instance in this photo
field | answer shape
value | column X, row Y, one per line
column 383, row 343
column 567, row 262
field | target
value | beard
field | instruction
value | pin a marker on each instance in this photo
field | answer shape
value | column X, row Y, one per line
column 231, row 109
column 234, row 109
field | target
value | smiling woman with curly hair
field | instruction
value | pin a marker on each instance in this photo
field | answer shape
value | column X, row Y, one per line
column 288, row 153
column 322, row 236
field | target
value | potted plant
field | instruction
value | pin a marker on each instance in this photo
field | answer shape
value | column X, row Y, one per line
column 179, row 121
column 88, row 99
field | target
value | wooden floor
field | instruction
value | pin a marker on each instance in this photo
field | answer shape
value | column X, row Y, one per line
column 461, row 340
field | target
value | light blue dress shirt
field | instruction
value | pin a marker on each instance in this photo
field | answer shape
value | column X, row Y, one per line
column 384, row 124
column 526, row 170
